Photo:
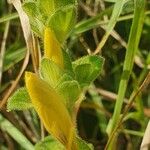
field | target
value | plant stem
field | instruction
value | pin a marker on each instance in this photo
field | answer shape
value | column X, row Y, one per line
column 134, row 38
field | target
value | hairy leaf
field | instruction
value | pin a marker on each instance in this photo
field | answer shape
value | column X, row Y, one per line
column 70, row 91
column 67, row 64
column 48, row 7
column 62, row 22
column 49, row 143
column 87, row 69
column 37, row 20
column 19, row 100
column 50, row 72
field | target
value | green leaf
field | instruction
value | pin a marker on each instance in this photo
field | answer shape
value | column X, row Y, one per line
column 48, row 7
column 83, row 74
column 67, row 63
column 50, row 72
column 83, row 145
column 58, row 15
column 31, row 8
column 62, row 22
column 70, row 91
column 63, row 78
column 37, row 19
column 49, row 143
column 87, row 69
column 19, row 100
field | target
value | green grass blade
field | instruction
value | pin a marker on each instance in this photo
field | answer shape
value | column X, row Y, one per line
column 5, row 125
column 115, row 15
column 8, row 17
column 133, row 42
column 91, row 23
column 12, row 57
column 96, row 21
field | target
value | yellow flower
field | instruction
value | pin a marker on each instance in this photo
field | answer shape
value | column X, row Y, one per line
column 51, row 110
column 52, row 48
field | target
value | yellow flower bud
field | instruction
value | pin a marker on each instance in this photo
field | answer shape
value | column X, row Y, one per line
column 52, row 48
column 51, row 110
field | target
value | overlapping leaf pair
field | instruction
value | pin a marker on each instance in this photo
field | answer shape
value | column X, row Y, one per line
column 54, row 92
column 59, row 15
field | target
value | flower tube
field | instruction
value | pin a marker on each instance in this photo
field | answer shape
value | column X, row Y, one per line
column 52, row 48
column 51, row 110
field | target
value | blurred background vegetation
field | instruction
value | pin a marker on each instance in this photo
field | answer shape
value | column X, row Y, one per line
column 21, row 129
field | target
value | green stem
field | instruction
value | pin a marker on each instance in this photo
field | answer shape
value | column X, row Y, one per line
column 134, row 38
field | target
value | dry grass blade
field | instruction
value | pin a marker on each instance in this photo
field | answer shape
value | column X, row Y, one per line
column 28, row 39
column 140, row 63
column 24, row 22
column 146, row 139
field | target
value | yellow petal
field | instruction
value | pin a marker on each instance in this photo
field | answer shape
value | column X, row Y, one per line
column 51, row 110
column 52, row 48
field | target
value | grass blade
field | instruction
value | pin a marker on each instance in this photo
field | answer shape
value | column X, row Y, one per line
column 134, row 38
column 5, row 125
column 8, row 17
column 115, row 15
